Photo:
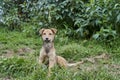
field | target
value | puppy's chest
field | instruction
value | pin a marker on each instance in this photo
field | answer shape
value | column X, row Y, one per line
column 47, row 48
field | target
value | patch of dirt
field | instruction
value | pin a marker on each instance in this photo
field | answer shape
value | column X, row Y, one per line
column 96, row 58
column 6, row 78
column 19, row 52
column 23, row 51
column 114, row 69
column 7, row 53
column 94, row 64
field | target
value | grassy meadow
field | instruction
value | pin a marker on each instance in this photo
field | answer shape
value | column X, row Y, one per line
column 19, row 52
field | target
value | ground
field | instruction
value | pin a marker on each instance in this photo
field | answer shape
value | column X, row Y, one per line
column 19, row 53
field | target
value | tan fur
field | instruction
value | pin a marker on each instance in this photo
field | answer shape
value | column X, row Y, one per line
column 48, row 52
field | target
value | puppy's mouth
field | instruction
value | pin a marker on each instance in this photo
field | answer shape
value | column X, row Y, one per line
column 46, row 40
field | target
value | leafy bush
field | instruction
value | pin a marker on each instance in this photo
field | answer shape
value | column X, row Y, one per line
column 105, row 35
column 10, row 16
column 78, row 18
column 81, row 19
column 16, row 12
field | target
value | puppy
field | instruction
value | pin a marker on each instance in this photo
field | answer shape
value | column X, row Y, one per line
column 48, row 51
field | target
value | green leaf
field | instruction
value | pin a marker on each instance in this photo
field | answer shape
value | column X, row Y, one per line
column 118, row 19
column 96, row 36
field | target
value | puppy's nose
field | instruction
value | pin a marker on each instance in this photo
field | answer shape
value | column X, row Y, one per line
column 46, row 38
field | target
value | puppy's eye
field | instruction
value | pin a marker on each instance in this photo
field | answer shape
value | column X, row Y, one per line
column 50, row 33
column 44, row 33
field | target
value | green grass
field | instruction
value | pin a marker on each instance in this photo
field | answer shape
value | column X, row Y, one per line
column 26, row 67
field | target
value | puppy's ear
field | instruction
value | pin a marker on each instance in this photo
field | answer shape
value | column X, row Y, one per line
column 41, row 31
column 54, row 30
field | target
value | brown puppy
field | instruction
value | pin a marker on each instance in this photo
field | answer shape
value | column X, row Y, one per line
column 48, row 51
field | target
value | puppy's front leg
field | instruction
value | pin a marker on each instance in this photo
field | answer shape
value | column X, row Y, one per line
column 52, row 62
column 41, row 56
column 41, row 59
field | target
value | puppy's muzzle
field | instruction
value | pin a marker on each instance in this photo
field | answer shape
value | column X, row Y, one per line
column 47, row 40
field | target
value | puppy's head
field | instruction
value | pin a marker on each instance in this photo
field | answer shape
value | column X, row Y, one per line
column 48, row 34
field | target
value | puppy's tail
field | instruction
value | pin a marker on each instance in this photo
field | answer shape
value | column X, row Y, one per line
column 63, row 63
column 74, row 64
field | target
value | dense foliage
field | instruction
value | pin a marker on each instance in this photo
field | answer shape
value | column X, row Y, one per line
column 99, row 19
